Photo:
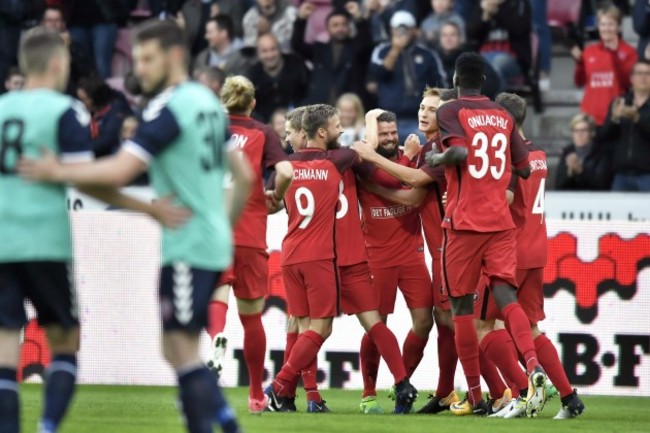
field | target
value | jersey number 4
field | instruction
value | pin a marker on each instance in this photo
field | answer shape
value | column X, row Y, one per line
column 11, row 136
column 481, row 146
column 307, row 210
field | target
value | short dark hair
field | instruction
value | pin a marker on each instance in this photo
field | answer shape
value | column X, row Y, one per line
column 37, row 49
column 166, row 32
column 337, row 12
column 224, row 22
column 387, row 117
column 448, row 95
column 645, row 62
column 214, row 74
column 294, row 117
column 97, row 90
column 317, row 116
column 514, row 104
column 470, row 70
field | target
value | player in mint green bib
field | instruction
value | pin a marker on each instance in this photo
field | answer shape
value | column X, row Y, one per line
column 182, row 139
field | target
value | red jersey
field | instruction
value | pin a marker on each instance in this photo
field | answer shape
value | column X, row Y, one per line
column 262, row 147
column 432, row 211
column 476, row 198
column 393, row 232
column 528, row 212
column 350, row 245
column 605, row 74
column 311, row 203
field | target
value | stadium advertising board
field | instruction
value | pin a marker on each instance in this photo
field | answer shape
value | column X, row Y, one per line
column 597, row 289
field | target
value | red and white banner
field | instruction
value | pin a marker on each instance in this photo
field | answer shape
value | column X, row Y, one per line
column 597, row 288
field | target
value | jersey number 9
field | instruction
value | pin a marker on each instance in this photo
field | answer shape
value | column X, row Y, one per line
column 11, row 136
column 213, row 158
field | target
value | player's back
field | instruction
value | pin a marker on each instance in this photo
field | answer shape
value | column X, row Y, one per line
column 34, row 216
column 527, row 211
column 192, row 168
column 263, row 150
column 350, row 245
column 311, row 203
column 476, row 188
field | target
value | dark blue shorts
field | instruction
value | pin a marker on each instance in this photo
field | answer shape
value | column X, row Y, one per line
column 185, row 293
column 48, row 285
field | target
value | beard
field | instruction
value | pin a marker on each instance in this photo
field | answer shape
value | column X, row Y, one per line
column 387, row 153
column 333, row 143
column 158, row 87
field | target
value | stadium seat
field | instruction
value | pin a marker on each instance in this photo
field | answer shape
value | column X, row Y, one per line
column 563, row 12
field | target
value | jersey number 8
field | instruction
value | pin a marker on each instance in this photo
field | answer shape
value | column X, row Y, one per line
column 11, row 137
column 480, row 147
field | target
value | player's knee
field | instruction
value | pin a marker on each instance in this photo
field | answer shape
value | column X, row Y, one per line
column 61, row 340
column 323, row 327
column 423, row 323
column 292, row 324
column 250, row 306
column 534, row 330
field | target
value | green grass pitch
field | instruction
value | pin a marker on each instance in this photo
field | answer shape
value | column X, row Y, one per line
column 140, row 409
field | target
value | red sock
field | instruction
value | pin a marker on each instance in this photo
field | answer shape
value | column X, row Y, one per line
column 388, row 348
column 413, row 351
column 499, row 349
column 309, row 381
column 303, row 354
column 254, row 352
column 492, row 378
column 551, row 363
column 447, row 360
column 468, row 353
column 292, row 337
column 216, row 317
column 519, row 327
column 369, row 359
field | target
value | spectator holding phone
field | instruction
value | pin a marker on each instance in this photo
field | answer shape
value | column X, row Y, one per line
column 627, row 131
column 604, row 68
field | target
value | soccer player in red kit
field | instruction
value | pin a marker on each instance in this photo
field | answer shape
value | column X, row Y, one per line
column 428, row 198
column 308, row 251
column 482, row 146
column 249, row 275
column 393, row 237
column 527, row 209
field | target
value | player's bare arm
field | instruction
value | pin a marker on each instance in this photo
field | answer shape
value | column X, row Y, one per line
column 242, row 182
column 115, row 171
column 410, row 176
column 454, row 155
column 407, row 197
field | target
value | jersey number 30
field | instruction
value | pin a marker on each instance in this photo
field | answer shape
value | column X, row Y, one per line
column 481, row 146
column 11, row 136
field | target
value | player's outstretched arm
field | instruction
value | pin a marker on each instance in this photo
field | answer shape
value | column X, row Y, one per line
column 407, row 197
column 453, row 155
column 162, row 210
column 410, row 176
column 113, row 171
column 242, row 182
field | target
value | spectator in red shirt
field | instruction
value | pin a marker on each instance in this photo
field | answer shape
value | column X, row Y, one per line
column 604, row 68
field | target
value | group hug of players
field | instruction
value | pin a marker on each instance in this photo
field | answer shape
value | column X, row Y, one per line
column 332, row 256
column 356, row 217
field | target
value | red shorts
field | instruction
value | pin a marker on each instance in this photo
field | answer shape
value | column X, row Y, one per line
column 357, row 292
column 531, row 293
column 249, row 273
column 440, row 298
column 312, row 289
column 467, row 255
column 413, row 281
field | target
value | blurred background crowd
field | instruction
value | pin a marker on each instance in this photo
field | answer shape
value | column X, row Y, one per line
column 582, row 64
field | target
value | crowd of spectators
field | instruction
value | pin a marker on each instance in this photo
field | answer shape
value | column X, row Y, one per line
column 361, row 54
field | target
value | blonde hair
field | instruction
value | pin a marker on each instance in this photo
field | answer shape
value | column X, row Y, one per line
column 432, row 91
column 37, row 50
column 609, row 10
column 359, row 121
column 580, row 118
column 237, row 94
